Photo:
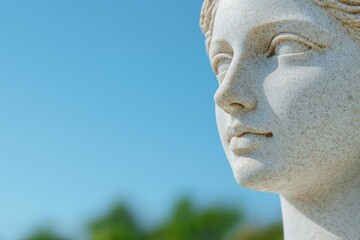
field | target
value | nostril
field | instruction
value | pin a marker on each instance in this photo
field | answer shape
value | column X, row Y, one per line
column 237, row 105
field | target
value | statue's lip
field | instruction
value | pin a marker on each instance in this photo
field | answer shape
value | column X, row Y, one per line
column 240, row 130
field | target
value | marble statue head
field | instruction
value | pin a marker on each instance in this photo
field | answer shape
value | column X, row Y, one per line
column 288, row 101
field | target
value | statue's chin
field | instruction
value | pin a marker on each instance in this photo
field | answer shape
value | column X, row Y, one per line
column 255, row 175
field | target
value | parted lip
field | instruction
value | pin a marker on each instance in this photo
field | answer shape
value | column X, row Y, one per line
column 240, row 130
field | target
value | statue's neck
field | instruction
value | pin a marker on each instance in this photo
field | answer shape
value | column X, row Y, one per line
column 332, row 214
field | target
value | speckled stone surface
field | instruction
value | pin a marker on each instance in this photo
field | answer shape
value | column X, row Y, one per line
column 288, row 106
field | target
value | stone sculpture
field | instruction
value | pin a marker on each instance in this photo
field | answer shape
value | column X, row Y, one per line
column 288, row 106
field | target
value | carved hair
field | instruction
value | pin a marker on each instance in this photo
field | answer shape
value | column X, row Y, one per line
column 346, row 11
column 207, row 17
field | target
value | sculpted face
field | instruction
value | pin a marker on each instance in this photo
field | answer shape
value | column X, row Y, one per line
column 288, row 102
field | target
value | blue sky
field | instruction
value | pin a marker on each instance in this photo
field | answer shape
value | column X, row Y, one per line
column 104, row 101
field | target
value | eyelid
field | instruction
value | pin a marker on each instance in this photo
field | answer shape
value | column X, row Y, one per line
column 217, row 58
column 282, row 37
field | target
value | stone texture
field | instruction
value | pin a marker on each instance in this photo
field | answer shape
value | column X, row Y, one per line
column 288, row 106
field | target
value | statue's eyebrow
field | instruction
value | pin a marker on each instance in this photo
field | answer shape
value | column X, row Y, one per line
column 262, row 34
column 308, row 28
column 219, row 46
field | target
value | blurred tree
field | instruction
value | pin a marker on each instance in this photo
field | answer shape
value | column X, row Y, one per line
column 273, row 232
column 184, row 223
column 187, row 223
column 45, row 234
column 117, row 224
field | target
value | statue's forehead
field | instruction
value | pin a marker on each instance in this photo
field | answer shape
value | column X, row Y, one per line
column 265, row 7
column 241, row 16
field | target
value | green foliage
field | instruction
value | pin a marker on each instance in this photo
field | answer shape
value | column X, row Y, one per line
column 273, row 232
column 45, row 234
column 117, row 224
column 185, row 223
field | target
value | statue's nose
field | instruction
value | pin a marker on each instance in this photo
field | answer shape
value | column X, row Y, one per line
column 232, row 96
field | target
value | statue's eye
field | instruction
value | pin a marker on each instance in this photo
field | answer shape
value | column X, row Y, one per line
column 288, row 44
column 221, row 63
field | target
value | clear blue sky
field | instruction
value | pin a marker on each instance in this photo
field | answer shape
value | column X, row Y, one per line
column 106, row 100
